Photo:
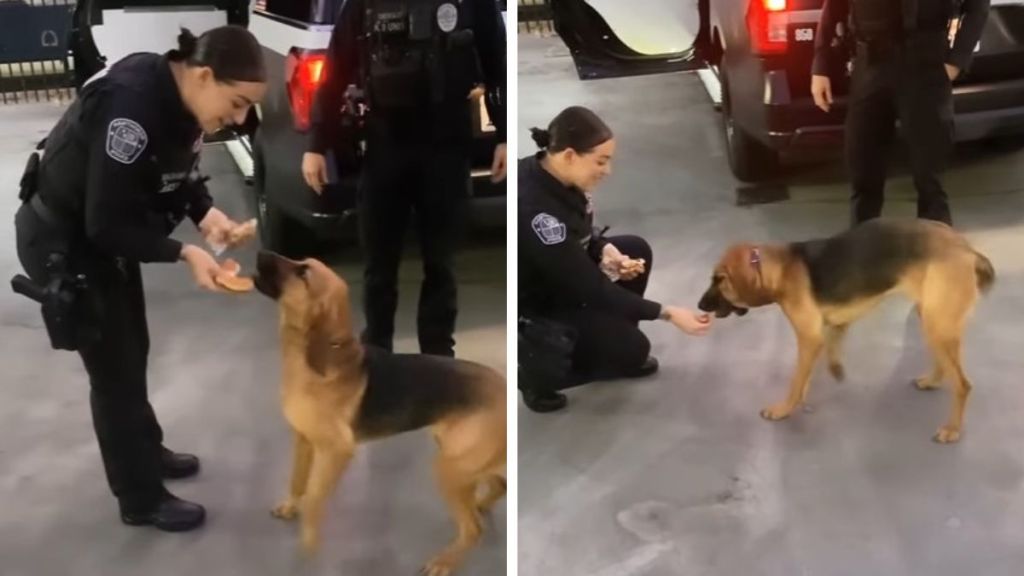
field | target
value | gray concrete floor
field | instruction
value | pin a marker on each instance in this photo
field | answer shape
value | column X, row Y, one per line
column 677, row 473
column 213, row 383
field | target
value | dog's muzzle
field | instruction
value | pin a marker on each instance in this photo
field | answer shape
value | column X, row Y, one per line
column 713, row 302
column 268, row 274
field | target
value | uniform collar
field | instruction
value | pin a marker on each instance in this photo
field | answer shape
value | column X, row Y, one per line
column 571, row 196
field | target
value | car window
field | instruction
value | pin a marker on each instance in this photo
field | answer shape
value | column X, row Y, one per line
column 308, row 11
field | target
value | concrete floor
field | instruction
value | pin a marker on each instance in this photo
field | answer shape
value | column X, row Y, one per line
column 677, row 473
column 213, row 383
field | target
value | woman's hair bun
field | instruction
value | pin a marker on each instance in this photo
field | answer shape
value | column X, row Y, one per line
column 187, row 43
column 541, row 137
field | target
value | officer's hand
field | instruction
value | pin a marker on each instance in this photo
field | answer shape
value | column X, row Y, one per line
column 204, row 267
column 500, row 165
column 952, row 72
column 687, row 321
column 821, row 90
column 630, row 268
column 314, row 170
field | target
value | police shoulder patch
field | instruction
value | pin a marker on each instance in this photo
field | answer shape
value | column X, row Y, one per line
column 548, row 228
column 126, row 140
column 447, row 17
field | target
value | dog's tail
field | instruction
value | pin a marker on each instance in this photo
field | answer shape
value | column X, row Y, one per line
column 984, row 271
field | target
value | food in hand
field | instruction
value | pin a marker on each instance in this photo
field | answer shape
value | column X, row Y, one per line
column 229, row 279
column 242, row 232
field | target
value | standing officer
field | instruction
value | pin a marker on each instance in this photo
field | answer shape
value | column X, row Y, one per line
column 419, row 61
column 118, row 174
column 903, row 67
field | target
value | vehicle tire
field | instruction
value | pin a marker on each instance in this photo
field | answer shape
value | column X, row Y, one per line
column 278, row 233
column 749, row 159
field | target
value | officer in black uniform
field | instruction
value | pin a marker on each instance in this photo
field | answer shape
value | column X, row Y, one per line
column 581, row 295
column 903, row 67
column 117, row 175
column 418, row 62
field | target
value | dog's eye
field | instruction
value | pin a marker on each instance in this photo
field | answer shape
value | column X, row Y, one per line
column 717, row 278
column 301, row 271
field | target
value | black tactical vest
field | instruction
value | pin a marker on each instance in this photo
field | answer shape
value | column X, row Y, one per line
column 419, row 52
column 877, row 20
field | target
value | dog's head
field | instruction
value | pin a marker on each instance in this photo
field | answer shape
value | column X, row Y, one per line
column 737, row 283
column 314, row 302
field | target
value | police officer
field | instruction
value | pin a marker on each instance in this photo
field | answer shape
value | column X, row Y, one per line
column 418, row 62
column 903, row 67
column 118, row 174
column 571, row 276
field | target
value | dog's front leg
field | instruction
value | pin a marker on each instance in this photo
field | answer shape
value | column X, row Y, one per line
column 303, row 460
column 330, row 458
column 808, row 323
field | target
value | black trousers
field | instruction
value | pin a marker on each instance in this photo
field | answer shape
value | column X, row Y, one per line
column 129, row 436
column 911, row 85
column 402, row 181
column 609, row 345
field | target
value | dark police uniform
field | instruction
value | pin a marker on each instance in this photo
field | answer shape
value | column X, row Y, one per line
column 417, row 60
column 560, row 278
column 118, row 173
column 899, row 51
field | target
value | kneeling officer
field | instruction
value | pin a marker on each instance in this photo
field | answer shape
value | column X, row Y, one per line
column 118, row 174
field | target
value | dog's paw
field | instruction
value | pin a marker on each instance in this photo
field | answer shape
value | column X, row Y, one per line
column 837, row 371
column 777, row 412
column 286, row 510
column 442, row 565
column 926, row 383
column 947, row 435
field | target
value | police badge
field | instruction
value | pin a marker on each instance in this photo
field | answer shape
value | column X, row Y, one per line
column 548, row 229
column 125, row 140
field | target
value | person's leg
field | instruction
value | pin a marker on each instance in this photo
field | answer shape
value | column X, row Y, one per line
column 383, row 217
column 870, row 126
column 636, row 248
column 926, row 112
column 608, row 347
column 441, row 204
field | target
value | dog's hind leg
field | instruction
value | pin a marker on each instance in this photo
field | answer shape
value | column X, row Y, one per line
column 496, row 488
column 834, row 337
column 458, row 485
column 303, row 460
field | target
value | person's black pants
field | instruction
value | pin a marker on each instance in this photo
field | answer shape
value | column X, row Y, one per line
column 432, row 184
column 126, row 427
column 911, row 85
column 609, row 345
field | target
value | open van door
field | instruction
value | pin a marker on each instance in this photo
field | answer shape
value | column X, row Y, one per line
column 104, row 31
column 609, row 38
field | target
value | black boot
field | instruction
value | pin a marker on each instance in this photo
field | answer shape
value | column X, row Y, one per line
column 650, row 366
column 175, row 465
column 170, row 514
column 544, row 401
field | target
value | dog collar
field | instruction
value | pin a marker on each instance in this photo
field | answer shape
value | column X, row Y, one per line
column 755, row 258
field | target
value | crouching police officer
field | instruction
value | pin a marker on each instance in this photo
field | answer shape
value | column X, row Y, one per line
column 418, row 62
column 581, row 295
column 903, row 67
column 118, row 174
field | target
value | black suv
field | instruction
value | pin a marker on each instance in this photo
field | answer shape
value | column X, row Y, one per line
column 757, row 55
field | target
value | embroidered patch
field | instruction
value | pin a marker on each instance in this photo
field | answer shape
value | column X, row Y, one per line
column 548, row 229
column 447, row 17
column 125, row 140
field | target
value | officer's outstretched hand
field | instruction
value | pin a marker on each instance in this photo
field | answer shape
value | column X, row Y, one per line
column 821, row 90
column 500, row 165
column 314, row 171
column 204, row 266
column 687, row 321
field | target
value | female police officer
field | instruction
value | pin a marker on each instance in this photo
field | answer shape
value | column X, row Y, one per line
column 118, row 173
column 594, row 285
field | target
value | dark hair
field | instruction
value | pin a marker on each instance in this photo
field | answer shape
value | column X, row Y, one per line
column 575, row 127
column 232, row 52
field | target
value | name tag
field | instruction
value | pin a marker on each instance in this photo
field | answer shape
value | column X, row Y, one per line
column 391, row 22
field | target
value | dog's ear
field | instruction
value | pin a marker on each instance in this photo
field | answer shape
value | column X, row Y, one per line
column 329, row 337
column 743, row 267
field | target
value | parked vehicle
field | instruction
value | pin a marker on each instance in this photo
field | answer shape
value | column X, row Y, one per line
column 758, row 54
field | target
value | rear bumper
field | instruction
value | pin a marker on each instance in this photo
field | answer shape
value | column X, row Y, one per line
column 981, row 111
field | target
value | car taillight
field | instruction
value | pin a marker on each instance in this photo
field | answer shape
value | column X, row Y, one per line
column 305, row 74
column 768, row 24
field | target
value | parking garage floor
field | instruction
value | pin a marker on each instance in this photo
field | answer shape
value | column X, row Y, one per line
column 213, row 383
column 677, row 473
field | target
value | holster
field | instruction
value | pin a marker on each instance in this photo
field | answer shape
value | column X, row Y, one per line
column 545, row 353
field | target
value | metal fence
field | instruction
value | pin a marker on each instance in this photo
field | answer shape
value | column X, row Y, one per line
column 535, row 17
column 35, row 63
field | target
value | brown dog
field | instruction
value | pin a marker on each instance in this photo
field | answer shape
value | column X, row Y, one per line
column 824, row 285
column 337, row 394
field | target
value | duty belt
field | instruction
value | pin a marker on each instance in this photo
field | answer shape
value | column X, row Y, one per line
column 49, row 215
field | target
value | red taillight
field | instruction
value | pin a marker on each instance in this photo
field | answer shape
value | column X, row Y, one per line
column 768, row 24
column 305, row 74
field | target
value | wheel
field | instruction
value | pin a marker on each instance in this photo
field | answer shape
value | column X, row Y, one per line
column 749, row 159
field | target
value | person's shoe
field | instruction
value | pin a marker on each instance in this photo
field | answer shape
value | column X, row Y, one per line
column 650, row 366
column 546, row 401
column 171, row 514
column 175, row 465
